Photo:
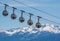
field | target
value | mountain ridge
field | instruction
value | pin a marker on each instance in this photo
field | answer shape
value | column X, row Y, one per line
column 47, row 28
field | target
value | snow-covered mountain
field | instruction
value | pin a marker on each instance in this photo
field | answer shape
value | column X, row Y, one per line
column 47, row 32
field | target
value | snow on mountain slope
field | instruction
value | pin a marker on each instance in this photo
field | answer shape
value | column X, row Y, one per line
column 50, row 28
column 47, row 28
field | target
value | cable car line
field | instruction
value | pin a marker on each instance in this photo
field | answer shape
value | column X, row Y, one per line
column 22, row 20
column 51, row 21
column 37, row 9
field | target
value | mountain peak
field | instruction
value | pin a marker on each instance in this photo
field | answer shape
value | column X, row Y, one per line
column 47, row 28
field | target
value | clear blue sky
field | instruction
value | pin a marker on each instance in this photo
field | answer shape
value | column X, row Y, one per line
column 50, row 6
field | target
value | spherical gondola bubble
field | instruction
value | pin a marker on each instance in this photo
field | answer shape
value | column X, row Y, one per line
column 21, row 19
column 13, row 16
column 30, row 22
column 38, row 25
column 5, row 13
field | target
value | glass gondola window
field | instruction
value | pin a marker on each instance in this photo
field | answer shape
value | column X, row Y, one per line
column 5, row 12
